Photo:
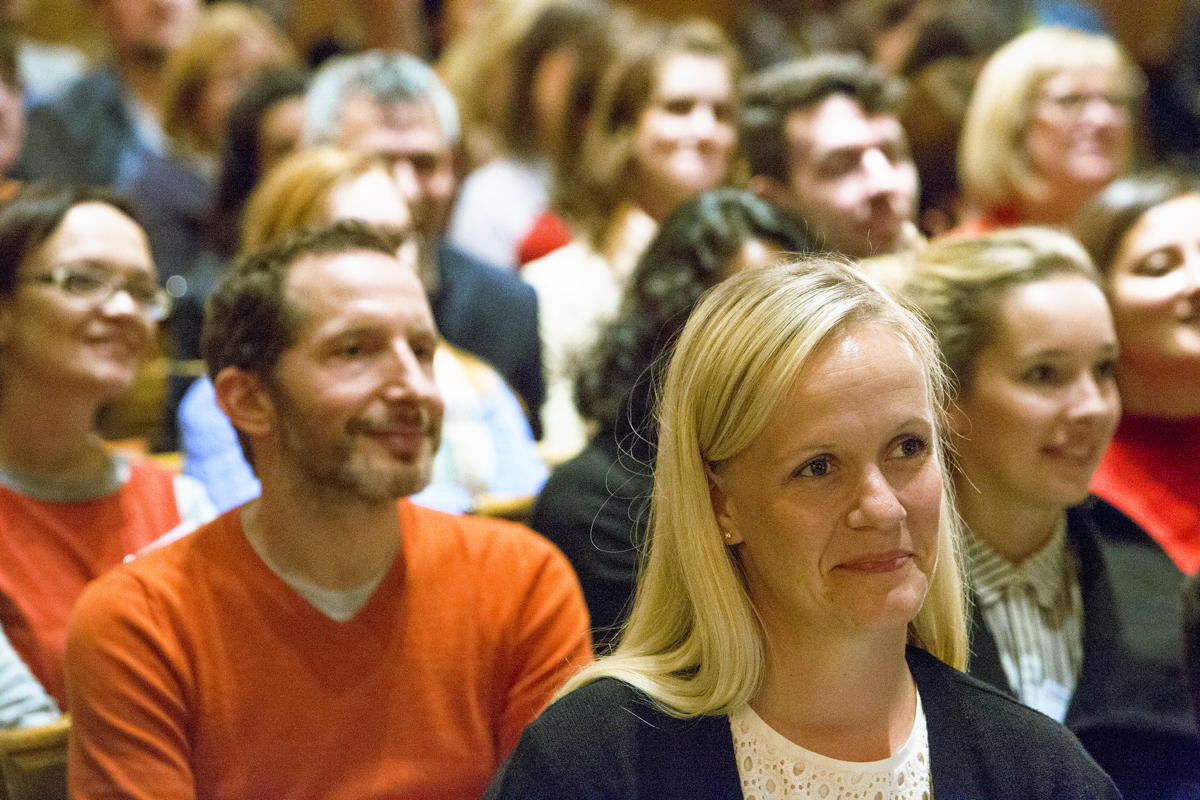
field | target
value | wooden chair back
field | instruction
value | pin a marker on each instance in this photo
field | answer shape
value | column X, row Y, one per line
column 33, row 762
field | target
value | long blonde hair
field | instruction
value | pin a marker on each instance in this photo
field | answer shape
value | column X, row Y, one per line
column 693, row 641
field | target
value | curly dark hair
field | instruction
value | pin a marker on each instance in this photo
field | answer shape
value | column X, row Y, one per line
column 695, row 249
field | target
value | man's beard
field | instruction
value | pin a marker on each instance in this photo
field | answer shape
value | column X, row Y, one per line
column 339, row 469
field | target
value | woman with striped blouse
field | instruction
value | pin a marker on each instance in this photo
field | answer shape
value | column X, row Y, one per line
column 1075, row 605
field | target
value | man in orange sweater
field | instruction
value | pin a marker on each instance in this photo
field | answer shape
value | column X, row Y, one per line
column 325, row 640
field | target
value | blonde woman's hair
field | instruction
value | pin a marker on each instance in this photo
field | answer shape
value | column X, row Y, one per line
column 221, row 28
column 295, row 193
column 693, row 641
column 958, row 283
column 994, row 167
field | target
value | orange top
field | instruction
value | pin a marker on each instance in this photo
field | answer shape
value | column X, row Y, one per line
column 195, row 671
column 50, row 550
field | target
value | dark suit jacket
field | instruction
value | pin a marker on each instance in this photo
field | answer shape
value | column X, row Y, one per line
column 492, row 314
column 1130, row 709
column 607, row 741
column 82, row 135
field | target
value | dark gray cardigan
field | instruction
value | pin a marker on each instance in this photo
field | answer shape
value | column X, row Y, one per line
column 1130, row 708
column 607, row 741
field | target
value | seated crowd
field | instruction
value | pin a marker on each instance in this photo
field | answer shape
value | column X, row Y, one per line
column 581, row 403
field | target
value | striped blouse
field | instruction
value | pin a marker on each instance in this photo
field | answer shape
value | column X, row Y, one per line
column 1034, row 611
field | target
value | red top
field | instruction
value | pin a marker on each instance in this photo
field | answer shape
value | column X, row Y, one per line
column 49, row 551
column 1151, row 471
column 995, row 220
column 547, row 234
column 195, row 671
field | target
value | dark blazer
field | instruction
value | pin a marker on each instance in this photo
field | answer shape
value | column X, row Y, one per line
column 1130, row 709
column 594, row 507
column 493, row 314
column 84, row 135
column 607, row 741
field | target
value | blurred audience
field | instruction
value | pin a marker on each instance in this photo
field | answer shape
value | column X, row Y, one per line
column 821, row 139
column 45, row 68
column 79, row 302
column 502, row 200
column 264, row 126
column 594, row 506
column 1142, row 233
column 662, row 129
column 1075, row 605
column 477, row 67
column 103, row 127
column 12, row 113
column 394, row 106
column 229, row 46
column 1049, row 125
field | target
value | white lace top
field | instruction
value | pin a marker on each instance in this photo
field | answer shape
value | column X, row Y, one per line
column 773, row 768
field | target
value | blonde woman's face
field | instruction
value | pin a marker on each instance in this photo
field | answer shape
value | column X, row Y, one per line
column 1079, row 131
column 833, row 508
column 1043, row 403
column 684, row 139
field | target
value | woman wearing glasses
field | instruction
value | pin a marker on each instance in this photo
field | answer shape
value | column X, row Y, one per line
column 79, row 303
column 1048, row 126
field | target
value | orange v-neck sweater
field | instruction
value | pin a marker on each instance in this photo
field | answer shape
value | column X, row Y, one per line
column 195, row 671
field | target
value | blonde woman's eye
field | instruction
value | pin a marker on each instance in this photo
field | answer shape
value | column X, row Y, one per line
column 817, row 467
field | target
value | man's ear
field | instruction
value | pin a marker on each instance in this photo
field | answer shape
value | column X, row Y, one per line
column 722, row 508
column 244, row 399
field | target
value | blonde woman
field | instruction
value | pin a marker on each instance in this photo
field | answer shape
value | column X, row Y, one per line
column 1076, row 606
column 797, row 626
column 1049, row 124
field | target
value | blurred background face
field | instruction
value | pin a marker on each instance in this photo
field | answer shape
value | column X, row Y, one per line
column 12, row 124
column 1154, row 285
column 374, row 197
column 75, row 343
column 228, row 78
column 852, row 177
column 279, row 131
column 146, row 30
column 1079, row 129
column 684, row 138
column 1043, row 405
column 409, row 138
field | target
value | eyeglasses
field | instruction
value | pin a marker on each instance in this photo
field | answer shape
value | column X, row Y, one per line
column 98, row 286
column 1074, row 103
